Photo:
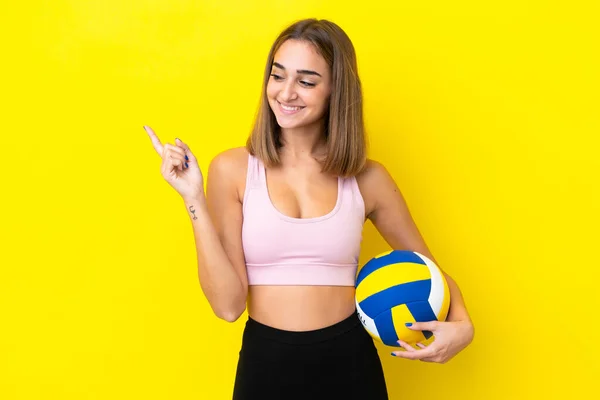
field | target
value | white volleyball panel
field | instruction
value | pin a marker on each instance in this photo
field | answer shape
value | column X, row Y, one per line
column 437, row 294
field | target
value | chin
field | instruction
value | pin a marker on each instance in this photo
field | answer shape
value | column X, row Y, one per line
column 290, row 124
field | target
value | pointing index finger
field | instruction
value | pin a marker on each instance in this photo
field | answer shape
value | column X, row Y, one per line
column 155, row 140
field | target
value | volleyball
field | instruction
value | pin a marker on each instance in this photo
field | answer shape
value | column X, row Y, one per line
column 397, row 287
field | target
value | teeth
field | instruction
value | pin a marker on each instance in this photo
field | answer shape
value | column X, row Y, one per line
column 286, row 108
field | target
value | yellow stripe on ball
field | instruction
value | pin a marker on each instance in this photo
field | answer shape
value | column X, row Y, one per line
column 380, row 279
column 400, row 316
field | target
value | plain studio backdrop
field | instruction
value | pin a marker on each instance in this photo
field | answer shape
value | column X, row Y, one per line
column 485, row 113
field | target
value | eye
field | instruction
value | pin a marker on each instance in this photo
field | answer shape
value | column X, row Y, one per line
column 276, row 77
column 307, row 84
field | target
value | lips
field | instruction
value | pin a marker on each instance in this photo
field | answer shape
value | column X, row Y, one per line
column 289, row 109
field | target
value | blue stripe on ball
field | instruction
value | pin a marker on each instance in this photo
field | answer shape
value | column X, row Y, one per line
column 385, row 327
column 422, row 312
column 389, row 298
column 396, row 256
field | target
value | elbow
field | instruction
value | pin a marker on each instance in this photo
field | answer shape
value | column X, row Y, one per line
column 230, row 314
column 229, row 317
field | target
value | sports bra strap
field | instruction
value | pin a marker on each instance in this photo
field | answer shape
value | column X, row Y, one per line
column 253, row 177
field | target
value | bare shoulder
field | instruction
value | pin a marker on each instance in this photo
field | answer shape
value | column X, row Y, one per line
column 229, row 167
column 374, row 170
column 373, row 181
column 229, row 160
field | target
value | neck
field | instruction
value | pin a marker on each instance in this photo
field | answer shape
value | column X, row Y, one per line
column 303, row 141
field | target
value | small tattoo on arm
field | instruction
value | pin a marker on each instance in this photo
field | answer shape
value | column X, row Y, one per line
column 193, row 211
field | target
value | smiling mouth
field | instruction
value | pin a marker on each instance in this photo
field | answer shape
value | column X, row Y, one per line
column 289, row 109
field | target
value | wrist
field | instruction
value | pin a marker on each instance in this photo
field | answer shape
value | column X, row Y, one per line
column 196, row 199
column 196, row 206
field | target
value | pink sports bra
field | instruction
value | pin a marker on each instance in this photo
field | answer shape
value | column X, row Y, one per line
column 282, row 250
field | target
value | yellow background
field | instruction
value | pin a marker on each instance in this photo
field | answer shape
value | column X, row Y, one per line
column 486, row 114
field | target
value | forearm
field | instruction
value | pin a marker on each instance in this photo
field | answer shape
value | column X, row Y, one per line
column 458, row 310
column 218, row 278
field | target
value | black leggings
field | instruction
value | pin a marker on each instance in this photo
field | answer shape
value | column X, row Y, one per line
column 336, row 362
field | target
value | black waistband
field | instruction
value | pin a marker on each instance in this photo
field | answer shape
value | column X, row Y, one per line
column 303, row 337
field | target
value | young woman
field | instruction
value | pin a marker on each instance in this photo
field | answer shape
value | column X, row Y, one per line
column 280, row 227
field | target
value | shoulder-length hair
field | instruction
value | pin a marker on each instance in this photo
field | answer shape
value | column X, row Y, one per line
column 344, row 129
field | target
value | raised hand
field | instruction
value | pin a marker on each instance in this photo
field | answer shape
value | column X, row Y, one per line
column 179, row 166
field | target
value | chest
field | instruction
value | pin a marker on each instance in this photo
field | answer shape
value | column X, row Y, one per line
column 302, row 194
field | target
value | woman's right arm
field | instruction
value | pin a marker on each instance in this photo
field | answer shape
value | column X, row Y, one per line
column 217, row 224
column 216, row 220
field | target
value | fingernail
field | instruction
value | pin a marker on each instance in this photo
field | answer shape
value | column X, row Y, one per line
column 394, row 354
column 408, row 324
column 186, row 158
column 178, row 139
column 186, row 165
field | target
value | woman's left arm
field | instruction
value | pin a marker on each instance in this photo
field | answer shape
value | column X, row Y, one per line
column 389, row 213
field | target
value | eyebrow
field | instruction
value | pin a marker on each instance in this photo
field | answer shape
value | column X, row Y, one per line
column 300, row 71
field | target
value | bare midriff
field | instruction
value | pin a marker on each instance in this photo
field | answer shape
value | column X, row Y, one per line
column 300, row 308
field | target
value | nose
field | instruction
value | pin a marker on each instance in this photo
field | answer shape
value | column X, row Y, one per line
column 288, row 92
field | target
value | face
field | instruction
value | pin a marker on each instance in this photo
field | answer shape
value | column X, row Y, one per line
column 299, row 86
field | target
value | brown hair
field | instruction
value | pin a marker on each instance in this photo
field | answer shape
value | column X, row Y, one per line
column 345, row 131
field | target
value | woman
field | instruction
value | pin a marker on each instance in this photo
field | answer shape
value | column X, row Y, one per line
column 280, row 227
